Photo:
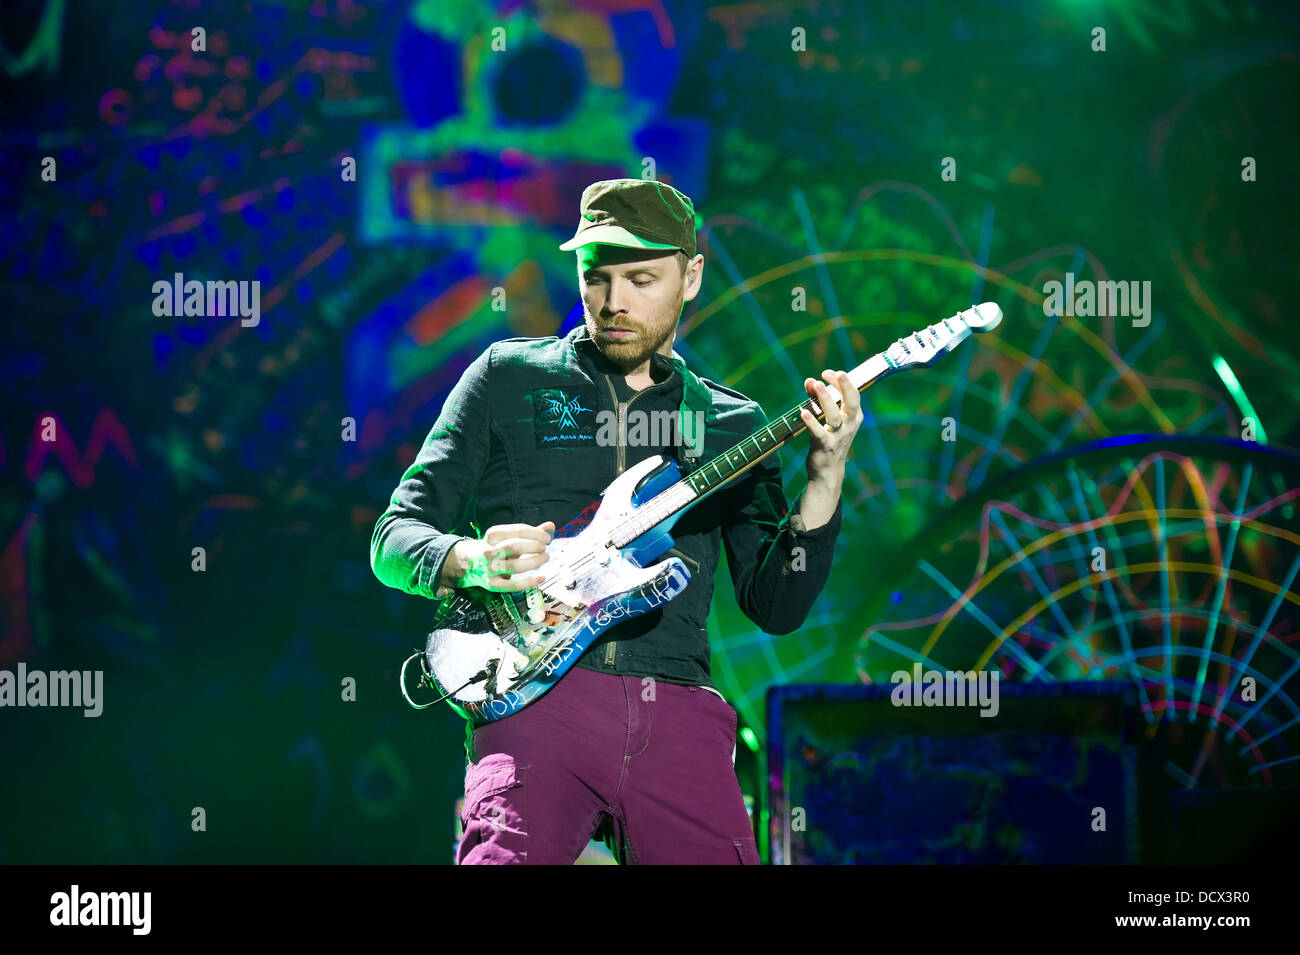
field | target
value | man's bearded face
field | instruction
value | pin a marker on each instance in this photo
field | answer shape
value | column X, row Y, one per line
column 631, row 300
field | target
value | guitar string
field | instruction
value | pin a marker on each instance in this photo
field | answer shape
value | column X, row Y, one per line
column 787, row 418
column 794, row 414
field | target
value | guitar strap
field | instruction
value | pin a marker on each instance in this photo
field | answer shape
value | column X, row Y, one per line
column 696, row 397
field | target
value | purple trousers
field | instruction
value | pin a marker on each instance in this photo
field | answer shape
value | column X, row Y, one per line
column 647, row 764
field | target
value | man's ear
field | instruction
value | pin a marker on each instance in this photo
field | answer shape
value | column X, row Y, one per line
column 694, row 274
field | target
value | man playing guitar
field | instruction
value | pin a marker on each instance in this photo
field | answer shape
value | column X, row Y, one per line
column 634, row 743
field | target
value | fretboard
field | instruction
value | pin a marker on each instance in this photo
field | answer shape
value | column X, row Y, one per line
column 730, row 464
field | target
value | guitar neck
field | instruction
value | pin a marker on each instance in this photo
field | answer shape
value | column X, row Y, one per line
column 732, row 463
column 919, row 349
column 729, row 465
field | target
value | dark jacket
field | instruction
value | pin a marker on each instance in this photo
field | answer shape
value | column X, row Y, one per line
column 516, row 442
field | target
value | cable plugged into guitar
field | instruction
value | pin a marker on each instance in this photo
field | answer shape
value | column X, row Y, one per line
column 426, row 678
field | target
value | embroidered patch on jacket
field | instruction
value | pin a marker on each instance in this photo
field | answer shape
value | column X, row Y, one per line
column 564, row 417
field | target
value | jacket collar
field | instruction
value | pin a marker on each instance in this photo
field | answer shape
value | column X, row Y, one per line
column 696, row 396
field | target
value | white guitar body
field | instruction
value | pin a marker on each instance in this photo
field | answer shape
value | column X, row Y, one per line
column 591, row 585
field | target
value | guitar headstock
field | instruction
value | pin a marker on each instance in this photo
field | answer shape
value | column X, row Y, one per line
column 933, row 342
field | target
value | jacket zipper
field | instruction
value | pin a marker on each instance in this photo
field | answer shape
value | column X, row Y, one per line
column 611, row 648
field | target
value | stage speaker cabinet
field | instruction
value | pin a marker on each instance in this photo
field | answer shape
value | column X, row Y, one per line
column 871, row 774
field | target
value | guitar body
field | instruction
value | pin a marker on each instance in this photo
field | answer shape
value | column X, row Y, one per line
column 591, row 586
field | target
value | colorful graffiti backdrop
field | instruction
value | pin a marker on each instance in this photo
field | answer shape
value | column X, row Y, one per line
column 382, row 171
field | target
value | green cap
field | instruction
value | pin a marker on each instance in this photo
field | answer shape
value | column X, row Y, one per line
column 637, row 214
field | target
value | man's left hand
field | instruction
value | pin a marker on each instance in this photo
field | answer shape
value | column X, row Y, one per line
column 831, row 441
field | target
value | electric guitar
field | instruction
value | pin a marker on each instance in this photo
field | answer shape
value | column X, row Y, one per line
column 492, row 653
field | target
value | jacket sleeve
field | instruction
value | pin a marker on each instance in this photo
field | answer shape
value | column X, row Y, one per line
column 413, row 536
column 776, row 585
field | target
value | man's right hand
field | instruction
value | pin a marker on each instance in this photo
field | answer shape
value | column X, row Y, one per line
column 500, row 560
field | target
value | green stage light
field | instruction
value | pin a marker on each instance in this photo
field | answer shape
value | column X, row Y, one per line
column 1239, row 395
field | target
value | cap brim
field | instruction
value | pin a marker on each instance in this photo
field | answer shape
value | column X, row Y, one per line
column 611, row 235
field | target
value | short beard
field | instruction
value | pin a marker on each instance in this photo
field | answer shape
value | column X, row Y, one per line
column 616, row 352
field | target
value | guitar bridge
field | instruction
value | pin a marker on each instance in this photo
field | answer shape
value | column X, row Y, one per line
column 506, row 614
column 499, row 617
